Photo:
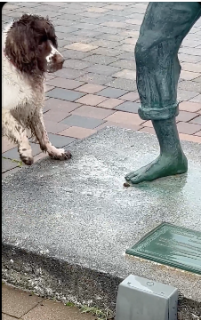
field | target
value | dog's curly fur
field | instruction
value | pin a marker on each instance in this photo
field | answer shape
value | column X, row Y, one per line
column 29, row 50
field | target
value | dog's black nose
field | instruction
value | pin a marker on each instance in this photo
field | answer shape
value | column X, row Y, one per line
column 60, row 59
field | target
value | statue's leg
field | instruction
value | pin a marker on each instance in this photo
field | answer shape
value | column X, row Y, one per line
column 156, row 53
column 171, row 160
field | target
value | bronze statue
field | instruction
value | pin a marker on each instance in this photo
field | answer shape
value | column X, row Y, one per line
column 163, row 29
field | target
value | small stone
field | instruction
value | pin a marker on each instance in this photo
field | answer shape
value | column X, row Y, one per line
column 126, row 184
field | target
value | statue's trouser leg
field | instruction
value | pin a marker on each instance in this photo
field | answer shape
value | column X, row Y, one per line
column 156, row 53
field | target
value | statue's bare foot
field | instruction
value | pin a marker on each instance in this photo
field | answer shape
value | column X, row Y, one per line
column 163, row 166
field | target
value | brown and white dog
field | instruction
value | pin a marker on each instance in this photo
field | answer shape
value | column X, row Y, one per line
column 29, row 50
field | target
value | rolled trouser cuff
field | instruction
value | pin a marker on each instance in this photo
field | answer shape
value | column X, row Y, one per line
column 147, row 113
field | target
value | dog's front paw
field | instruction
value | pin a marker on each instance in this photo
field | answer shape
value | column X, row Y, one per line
column 26, row 156
column 60, row 154
column 27, row 160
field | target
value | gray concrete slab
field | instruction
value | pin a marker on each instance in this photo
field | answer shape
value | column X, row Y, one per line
column 72, row 221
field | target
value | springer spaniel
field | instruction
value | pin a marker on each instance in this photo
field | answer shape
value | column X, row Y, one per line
column 29, row 50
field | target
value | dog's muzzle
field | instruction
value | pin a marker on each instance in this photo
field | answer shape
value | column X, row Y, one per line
column 55, row 60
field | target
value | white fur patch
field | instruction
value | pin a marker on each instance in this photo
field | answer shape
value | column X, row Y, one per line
column 52, row 53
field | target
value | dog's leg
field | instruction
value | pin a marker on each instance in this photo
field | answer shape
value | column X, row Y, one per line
column 15, row 132
column 38, row 128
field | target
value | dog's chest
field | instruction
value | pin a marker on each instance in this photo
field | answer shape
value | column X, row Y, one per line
column 16, row 91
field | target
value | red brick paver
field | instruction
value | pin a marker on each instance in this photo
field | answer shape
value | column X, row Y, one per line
column 92, row 112
column 188, row 128
column 90, row 88
column 190, row 106
column 125, row 117
column 77, row 132
column 110, row 103
column 131, row 96
column 91, row 99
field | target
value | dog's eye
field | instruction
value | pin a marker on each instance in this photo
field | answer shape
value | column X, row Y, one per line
column 54, row 41
column 42, row 40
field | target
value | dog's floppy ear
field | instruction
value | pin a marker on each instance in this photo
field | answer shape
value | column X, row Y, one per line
column 19, row 48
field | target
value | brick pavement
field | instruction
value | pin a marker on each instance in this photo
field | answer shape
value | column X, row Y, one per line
column 23, row 305
column 97, row 85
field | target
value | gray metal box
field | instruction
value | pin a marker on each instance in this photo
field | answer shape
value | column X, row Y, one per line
column 142, row 299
